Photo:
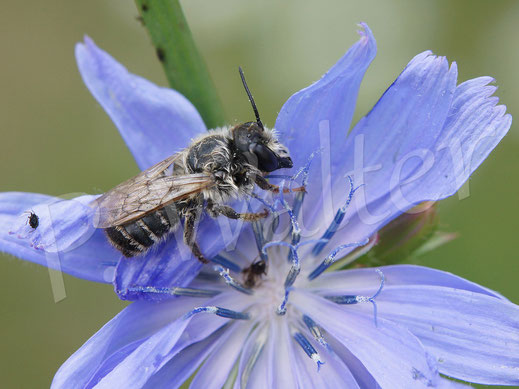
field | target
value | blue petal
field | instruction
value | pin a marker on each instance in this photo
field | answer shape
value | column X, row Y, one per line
column 354, row 280
column 135, row 323
column 409, row 116
column 254, row 356
column 327, row 104
column 474, row 126
column 154, row 122
column 335, row 373
column 332, row 98
column 420, row 142
column 217, row 368
column 169, row 263
column 280, row 355
column 362, row 376
column 473, row 336
column 64, row 240
column 177, row 371
column 146, row 360
column 392, row 355
column 394, row 127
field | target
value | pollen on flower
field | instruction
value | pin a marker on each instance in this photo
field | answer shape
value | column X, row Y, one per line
column 317, row 359
column 308, row 349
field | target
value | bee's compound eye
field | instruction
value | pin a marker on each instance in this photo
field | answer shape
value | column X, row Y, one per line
column 267, row 160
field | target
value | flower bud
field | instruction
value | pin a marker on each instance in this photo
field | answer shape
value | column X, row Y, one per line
column 411, row 234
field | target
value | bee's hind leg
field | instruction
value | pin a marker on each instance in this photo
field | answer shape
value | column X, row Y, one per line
column 265, row 185
column 227, row 211
column 189, row 236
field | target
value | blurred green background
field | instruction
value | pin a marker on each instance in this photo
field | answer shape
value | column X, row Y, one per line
column 55, row 139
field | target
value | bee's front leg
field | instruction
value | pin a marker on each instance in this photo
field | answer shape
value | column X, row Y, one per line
column 218, row 209
column 190, row 233
column 265, row 185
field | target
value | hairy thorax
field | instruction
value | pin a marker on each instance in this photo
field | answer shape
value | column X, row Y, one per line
column 214, row 154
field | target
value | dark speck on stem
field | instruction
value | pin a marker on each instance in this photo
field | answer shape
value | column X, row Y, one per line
column 161, row 54
column 144, row 7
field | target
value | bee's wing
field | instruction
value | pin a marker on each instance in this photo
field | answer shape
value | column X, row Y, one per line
column 146, row 192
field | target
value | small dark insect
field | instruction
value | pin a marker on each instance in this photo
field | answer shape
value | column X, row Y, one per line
column 220, row 165
column 253, row 273
column 33, row 220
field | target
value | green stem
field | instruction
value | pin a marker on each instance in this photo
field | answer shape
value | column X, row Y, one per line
column 176, row 50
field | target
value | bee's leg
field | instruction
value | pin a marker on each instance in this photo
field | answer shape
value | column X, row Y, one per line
column 265, row 185
column 189, row 235
column 217, row 209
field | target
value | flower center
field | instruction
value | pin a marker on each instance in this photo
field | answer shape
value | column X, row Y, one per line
column 266, row 285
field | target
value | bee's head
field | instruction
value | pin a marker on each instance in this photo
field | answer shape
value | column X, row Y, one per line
column 259, row 144
column 261, row 147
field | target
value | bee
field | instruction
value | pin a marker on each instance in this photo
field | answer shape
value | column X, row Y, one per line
column 223, row 164
column 252, row 273
column 33, row 220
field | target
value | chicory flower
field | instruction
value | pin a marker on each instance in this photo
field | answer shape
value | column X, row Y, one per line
column 395, row 326
column 292, row 323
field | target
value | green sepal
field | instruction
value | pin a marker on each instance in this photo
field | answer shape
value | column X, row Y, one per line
column 406, row 238
column 176, row 50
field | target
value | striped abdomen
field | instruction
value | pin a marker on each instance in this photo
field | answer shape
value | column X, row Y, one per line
column 138, row 236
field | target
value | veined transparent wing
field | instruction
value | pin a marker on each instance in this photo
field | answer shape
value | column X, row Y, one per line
column 150, row 190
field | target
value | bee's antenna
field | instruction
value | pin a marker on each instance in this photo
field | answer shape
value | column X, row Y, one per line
column 251, row 99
